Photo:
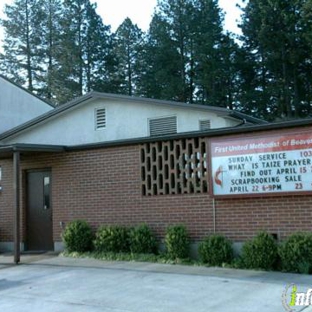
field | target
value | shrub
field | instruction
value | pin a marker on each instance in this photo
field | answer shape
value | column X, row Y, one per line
column 296, row 253
column 112, row 239
column 260, row 252
column 142, row 240
column 177, row 242
column 77, row 236
column 215, row 250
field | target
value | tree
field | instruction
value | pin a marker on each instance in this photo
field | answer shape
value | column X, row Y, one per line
column 98, row 47
column 74, row 25
column 275, row 38
column 213, row 55
column 128, row 50
column 48, row 15
column 174, row 16
column 83, row 54
column 191, row 59
column 20, row 42
column 161, row 78
column 58, row 49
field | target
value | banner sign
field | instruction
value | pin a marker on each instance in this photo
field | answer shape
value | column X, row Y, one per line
column 271, row 164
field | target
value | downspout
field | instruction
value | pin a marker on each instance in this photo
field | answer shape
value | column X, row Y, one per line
column 16, row 190
column 241, row 124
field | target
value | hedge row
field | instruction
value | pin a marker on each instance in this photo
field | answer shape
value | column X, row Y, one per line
column 77, row 237
column 262, row 252
column 292, row 255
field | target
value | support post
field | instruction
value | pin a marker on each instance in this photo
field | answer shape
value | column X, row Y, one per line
column 214, row 215
column 16, row 187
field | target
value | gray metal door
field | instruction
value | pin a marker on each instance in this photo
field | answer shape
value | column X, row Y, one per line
column 39, row 211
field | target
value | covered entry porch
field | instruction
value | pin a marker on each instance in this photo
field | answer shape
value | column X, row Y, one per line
column 36, row 186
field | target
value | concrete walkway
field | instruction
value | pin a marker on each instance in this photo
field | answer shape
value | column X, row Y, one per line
column 47, row 283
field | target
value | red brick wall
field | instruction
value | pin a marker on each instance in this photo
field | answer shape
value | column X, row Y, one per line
column 6, row 202
column 103, row 186
column 240, row 219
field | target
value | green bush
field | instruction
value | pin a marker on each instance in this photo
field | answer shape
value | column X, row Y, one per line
column 77, row 236
column 296, row 253
column 177, row 242
column 260, row 252
column 142, row 240
column 112, row 239
column 215, row 250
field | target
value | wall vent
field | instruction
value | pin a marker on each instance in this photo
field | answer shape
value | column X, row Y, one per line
column 100, row 118
column 164, row 125
column 204, row 125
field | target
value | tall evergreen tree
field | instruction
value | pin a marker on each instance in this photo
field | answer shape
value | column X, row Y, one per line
column 214, row 55
column 74, row 24
column 56, row 48
column 98, row 47
column 161, row 78
column 174, row 17
column 190, row 54
column 48, row 16
column 276, row 45
column 21, row 39
column 128, row 50
column 85, row 46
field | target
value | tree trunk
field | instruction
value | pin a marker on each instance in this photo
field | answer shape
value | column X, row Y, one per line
column 28, row 49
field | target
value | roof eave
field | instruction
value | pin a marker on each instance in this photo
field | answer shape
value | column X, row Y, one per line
column 43, row 117
column 247, row 118
column 6, row 151
column 215, row 109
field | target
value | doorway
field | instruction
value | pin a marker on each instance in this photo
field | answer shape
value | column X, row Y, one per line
column 39, row 229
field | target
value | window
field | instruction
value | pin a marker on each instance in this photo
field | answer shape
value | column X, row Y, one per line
column 204, row 125
column 46, row 192
column 100, row 118
column 164, row 125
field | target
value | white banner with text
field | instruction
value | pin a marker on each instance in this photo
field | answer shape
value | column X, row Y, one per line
column 270, row 164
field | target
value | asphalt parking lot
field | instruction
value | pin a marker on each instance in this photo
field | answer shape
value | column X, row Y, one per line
column 52, row 283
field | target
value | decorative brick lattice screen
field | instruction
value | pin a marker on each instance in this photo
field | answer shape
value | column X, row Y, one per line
column 174, row 167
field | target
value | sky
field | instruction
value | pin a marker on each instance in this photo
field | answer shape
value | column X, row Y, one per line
column 114, row 12
column 140, row 12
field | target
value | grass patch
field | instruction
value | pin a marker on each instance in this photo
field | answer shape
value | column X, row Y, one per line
column 163, row 258
column 132, row 257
